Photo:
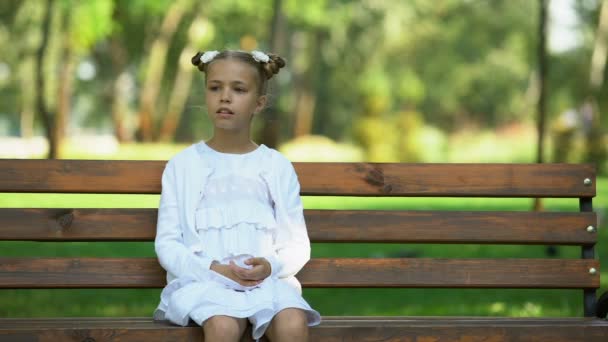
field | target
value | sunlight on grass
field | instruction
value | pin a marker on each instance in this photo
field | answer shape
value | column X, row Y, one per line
column 487, row 147
column 88, row 147
column 77, row 201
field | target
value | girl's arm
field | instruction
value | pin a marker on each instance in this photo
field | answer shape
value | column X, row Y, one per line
column 292, row 249
column 172, row 253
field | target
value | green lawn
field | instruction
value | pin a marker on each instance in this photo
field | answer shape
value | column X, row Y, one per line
column 32, row 303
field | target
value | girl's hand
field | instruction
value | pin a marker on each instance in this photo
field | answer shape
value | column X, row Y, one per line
column 259, row 271
column 226, row 271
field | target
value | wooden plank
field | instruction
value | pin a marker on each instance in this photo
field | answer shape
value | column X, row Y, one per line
column 95, row 329
column 451, row 273
column 81, row 176
column 449, row 329
column 450, row 227
column 323, row 226
column 340, row 179
column 78, row 224
column 320, row 272
column 447, row 180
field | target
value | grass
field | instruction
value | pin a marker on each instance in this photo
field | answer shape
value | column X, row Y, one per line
column 141, row 302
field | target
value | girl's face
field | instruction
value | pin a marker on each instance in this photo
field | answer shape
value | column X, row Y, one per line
column 232, row 94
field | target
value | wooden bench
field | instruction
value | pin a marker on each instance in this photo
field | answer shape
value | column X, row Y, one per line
column 330, row 226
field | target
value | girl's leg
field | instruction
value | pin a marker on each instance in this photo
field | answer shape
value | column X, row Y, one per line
column 224, row 328
column 288, row 325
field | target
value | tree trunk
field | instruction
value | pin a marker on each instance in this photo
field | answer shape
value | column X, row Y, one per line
column 120, row 107
column 270, row 129
column 28, row 97
column 306, row 97
column 41, row 82
column 65, row 90
column 179, row 95
column 542, row 78
column 542, row 86
column 181, row 87
column 156, row 68
column 595, row 149
column 600, row 50
column 305, row 108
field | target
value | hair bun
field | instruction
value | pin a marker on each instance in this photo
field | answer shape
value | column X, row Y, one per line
column 196, row 61
column 273, row 66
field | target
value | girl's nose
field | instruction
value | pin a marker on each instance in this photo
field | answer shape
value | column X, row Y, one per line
column 225, row 96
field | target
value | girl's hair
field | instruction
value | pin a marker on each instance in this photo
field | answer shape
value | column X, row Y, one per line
column 265, row 71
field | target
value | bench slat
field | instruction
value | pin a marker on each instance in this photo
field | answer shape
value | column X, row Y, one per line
column 342, row 179
column 331, row 329
column 323, row 226
column 319, row 272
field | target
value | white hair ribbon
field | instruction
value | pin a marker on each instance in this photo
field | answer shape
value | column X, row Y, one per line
column 259, row 56
column 208, row 56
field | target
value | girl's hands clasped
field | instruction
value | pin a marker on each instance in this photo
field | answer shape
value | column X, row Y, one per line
column 260, row 270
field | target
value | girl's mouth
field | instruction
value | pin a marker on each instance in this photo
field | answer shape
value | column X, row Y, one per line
column 224, row 111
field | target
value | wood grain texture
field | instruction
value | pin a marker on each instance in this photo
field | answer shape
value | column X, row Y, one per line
column 78, row 224
column 318, row 179
column 81, row 176
column 340, row 179
column 323, row 226
column 319, row 272
column 437, row 329
column 450, row 227
column 447, row 180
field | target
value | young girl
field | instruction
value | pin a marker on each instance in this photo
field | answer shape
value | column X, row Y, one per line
column 231, row 232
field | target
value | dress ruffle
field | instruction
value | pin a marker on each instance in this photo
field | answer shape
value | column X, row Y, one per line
column 233, row 213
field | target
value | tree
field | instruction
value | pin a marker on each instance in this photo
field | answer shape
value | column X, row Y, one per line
column 156, row 67
column 41, row 105
column 596, row 150
column 199, row 35
column 456, row 63
column 542, row 77
column 270, row 130
column 64, row 40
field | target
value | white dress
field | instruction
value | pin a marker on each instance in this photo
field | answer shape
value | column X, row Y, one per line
column 235, row 220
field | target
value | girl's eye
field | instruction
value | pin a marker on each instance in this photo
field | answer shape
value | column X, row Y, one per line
column 213, row 88
column 240, row 90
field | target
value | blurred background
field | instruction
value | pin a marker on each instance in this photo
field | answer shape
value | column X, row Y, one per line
column 367, row 80
column 374, row 80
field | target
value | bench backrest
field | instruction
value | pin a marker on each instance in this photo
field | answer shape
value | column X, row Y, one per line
column 324, row 179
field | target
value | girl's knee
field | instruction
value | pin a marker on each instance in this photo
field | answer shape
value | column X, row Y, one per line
column 291, row 322
column 223, row 328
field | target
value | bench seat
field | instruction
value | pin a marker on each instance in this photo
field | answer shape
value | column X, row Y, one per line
column 443, row 329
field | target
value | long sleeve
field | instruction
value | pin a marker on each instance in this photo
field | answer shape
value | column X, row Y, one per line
column 174, row 256
column 292, row 247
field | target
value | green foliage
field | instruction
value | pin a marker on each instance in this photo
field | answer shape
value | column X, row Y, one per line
column 89, row 22
column 403, row 137
column 201, row 32
column 144, row 8
column 458, row 63
column 409, row 126
column 378, row 138
column 311, row 13
column 410, row 88
column 319, row 148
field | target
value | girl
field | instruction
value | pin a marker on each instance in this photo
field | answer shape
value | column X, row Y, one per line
column 231, row 232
